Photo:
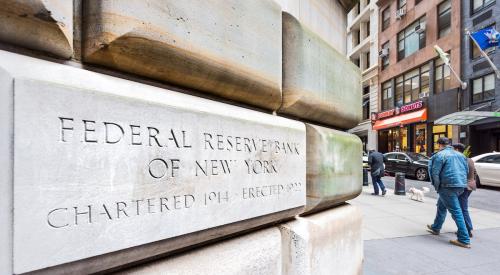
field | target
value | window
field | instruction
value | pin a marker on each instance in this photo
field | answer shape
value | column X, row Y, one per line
column 442, row 77
column 367, row 58
column 367, row 28
column 366, row 108
column 391, row 156
column 403, row 157
column 412, row 85
column 387, row 97
column 386, row 18
column 475, row 53
column 385, row 59
column 402, row 4
column 444, row 18
column 439, row 131
column 483, row 88
column 478, row 5
column 410, row 40
column 490, row 159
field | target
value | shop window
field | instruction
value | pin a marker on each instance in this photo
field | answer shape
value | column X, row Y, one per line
column 386, row 18
column 442, row 77
column 387, row 97
column 439, row 131
column 475, row 53
column 444, row 18
column 483, row 88
column 410, row 40
column 421, row 138
column 478, row 5
column 396, row 141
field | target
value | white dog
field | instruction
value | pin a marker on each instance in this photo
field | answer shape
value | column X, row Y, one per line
column 417, row 194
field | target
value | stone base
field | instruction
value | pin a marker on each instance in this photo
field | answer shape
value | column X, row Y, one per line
column 256, row 253
column 328, row 242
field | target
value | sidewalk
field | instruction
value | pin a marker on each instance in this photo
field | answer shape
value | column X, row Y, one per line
column 396, row 241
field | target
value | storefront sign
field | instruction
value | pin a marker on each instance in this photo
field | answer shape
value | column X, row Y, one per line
column 398, row 110
column 411, row 107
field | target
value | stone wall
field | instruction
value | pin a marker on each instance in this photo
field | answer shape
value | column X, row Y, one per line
column 141, row 137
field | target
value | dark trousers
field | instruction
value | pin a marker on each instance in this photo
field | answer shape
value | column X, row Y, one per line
column 464, row 204
column 377, row 181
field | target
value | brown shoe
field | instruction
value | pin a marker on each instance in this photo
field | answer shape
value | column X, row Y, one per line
column 458, row 243
column 432, row 231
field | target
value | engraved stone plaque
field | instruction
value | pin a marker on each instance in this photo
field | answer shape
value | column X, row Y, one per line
column 96, row 172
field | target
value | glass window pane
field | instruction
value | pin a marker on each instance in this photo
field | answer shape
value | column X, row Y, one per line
column 489, row 82
column 444, row 6
column 477, row 86
column 439, row 73
column 438, row 129
column 477, row 4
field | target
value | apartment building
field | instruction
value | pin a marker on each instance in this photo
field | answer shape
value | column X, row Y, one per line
column 483, row 92
column 416, row 88
column 362, row 50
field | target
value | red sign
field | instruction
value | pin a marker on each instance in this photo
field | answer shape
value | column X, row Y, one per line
column 398, row 110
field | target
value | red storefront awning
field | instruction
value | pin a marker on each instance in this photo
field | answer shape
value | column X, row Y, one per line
column 403, row 119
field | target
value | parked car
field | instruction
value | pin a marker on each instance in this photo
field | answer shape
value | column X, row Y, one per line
column 488, row 169
column 412, row 164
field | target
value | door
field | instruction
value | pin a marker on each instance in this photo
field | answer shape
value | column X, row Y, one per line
column 391, row 162
column 403, row 163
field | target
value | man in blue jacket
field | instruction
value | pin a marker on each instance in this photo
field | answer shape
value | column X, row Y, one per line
column 448, row 173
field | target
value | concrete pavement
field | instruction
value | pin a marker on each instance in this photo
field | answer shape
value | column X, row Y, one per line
column 396, row 241
column 487, row 198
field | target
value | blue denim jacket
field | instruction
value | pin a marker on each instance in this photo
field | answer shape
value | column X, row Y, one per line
column 448, row 168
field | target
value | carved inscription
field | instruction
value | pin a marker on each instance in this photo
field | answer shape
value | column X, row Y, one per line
column 123, row 170
column 114, row 133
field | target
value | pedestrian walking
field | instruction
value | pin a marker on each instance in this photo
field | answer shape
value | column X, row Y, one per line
column 471, row 186
column 376, row 161
column 448, row 172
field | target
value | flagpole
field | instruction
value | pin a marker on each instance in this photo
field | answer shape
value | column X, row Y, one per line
column 485, row 55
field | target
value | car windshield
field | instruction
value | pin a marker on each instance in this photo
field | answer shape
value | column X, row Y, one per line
column 417, row 157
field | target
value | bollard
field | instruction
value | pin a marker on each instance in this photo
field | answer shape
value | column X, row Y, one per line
column 399, row 184
column 365, row 177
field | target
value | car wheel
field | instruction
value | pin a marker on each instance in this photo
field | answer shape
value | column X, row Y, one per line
column 421, row 174
column 478, row 182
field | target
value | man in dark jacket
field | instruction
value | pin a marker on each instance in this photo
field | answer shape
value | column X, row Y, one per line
column 376, row 161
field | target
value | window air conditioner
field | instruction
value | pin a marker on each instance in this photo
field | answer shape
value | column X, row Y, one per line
column 422, row 95
column 420, row 28
column 383, row 53
column 400, row 13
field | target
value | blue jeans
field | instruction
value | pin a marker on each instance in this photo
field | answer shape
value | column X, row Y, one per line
column 377, row 181
column 448, row 199
column 464, row 204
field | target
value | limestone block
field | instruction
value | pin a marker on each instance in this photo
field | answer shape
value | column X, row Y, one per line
column 334, row 167
column 319, row 84
column 45, row 25
column 230, row 49
column 327, row 242
column 109, row 171
column 255, row 253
